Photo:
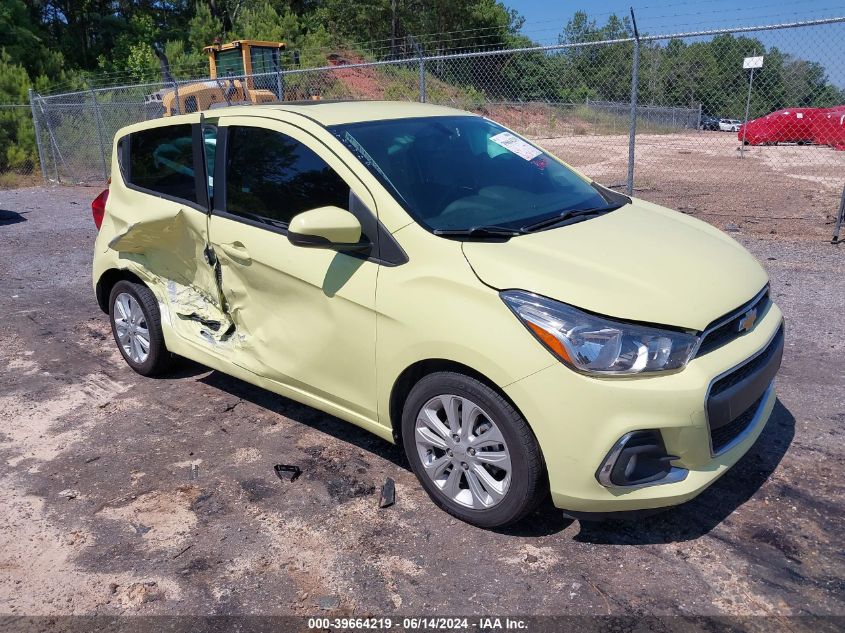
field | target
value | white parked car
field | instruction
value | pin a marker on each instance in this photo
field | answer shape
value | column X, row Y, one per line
column 729, row 125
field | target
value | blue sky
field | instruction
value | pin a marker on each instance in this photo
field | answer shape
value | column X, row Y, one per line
column 544, row 20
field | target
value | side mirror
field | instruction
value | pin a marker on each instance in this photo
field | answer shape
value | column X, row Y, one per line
column 327, row 227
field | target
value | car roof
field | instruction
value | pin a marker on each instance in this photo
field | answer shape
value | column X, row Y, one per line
column 337, row 112
column 325, row 113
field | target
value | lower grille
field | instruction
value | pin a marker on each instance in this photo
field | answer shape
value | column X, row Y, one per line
column 723, row 436
column 735, row 397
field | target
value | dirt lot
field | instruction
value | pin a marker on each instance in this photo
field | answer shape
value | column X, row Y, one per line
column 125, row 495
column 786, row 190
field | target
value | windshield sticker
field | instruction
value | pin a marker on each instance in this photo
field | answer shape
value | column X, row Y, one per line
column 516, row 145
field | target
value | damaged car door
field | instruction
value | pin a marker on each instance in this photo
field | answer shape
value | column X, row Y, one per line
column 167, row 242
column 303, row 318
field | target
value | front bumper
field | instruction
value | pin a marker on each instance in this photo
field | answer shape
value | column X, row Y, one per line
column 578, row 419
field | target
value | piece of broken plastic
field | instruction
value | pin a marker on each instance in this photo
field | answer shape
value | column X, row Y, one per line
column 388, row 493
column 287, row 472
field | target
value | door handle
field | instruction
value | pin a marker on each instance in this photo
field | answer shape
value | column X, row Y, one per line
column 236, row 250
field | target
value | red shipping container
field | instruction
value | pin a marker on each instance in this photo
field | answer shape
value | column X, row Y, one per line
column 829, row 128
column 791, row 125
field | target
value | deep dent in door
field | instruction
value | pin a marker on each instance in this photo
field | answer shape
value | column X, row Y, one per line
column 167, row 252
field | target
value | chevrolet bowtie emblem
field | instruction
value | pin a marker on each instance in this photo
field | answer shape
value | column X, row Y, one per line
column 747, row 321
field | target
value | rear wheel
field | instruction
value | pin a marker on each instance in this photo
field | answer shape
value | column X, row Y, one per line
column 136, row 327
column 472, row 451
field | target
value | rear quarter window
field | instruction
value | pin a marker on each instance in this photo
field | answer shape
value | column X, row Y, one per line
column 161, row 160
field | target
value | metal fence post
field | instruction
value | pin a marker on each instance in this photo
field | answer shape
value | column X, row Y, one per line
column 422, row 77
column 54, row 145
column 41, row 161
column 840, row 220
column 418, row 49
column 176, row 96
column 745, row 123
column 280, row 82
column 98, row 119
column 635, row 80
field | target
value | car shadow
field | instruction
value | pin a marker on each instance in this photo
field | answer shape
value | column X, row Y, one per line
column 682, row 523
column 700, row 515
column 10, row 217
column 303, row 414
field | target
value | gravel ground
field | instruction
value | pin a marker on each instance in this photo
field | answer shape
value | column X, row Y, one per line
column 126, row 495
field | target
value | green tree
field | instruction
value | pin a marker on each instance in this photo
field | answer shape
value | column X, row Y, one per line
column 203, row 28
column 17, row 137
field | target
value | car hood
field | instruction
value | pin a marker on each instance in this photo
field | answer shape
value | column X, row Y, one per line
column 640, row 263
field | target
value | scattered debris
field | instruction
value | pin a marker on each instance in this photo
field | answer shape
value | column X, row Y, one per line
column 90, row 460
column 388, row 494
column 182, row 551
column 195, row 472
column 733, row 228
column 287, row 472
column 69, row 494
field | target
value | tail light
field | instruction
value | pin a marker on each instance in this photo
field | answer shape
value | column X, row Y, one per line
column 98, row 208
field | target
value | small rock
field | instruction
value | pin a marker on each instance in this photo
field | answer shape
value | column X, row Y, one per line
column 733, row 228
column 69, row 494
column 113, row 588
column 530, row 558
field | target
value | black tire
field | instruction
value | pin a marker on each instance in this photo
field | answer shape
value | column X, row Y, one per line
column 528, row 484
column 158, row 360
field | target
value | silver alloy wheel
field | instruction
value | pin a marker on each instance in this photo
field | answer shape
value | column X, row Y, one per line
column 131, row 327
column 463, row 451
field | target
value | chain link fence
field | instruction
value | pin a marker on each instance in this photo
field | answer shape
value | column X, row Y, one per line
column 676, row 119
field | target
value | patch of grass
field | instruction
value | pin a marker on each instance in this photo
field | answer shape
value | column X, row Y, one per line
column 606, row 123
column 12, row 180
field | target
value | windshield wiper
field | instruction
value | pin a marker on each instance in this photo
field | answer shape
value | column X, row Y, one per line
column 567, row 215
column 479, row 231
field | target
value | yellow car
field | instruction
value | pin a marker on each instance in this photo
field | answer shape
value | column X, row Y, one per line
column 434, row 278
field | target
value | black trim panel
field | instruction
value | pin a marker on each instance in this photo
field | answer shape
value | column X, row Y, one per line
column 200, row 177
column 733, row 394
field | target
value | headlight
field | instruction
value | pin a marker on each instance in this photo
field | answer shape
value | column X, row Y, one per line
column 596, row 345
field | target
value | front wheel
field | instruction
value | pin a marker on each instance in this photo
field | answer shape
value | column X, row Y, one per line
column 472, row 451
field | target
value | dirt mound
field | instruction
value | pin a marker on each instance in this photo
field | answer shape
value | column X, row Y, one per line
column 359, row 82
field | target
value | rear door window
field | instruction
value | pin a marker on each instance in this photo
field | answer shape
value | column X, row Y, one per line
column 271, row 177
column 161, row 160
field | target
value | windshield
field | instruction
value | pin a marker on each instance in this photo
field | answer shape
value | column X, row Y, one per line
column 460, row 172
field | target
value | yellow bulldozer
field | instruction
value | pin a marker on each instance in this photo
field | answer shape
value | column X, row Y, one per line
column 241, row 72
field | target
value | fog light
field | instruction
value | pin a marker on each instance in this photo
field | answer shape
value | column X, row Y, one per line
column 639, row 459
